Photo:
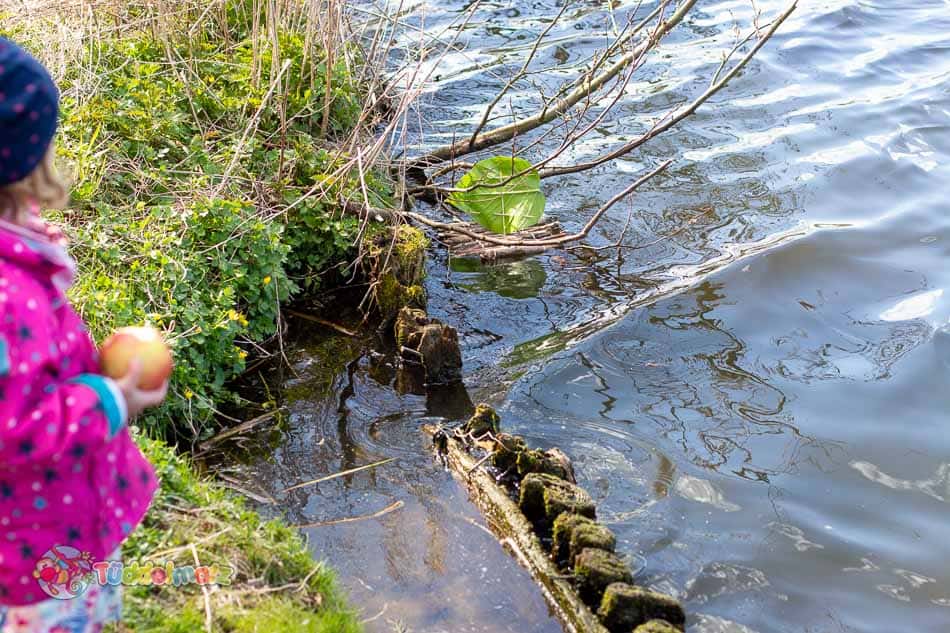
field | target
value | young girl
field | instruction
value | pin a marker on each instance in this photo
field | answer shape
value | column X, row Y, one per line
column 73, row 485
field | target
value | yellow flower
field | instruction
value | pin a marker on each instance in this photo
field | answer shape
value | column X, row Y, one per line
column 189, row 394
column 242, row 354
column 266, row 280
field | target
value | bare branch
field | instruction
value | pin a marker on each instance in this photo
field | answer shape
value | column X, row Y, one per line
column 575, row 96
column 520, row 74
column 672, row 121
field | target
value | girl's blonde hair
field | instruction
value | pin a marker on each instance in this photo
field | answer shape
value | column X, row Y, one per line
column 42, row 186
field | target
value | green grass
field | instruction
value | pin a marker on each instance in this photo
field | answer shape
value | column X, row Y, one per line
column 277, row 586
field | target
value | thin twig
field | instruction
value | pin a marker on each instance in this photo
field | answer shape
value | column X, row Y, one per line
column 324, row 322
column 240, row 428
column 204, row 590
column 588, row 87
column 339, row 474
column 672, row 121
column 392, row 507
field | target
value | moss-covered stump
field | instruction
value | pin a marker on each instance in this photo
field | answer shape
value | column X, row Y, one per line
column 656, row 626
column 551, row 462
column 572, row 533
column 396, row 261
column 483, row 421
column 545, row 497
column 625, row 607
column 506, row 450
column 432, row 343
column 409, row 321
column 595, row 570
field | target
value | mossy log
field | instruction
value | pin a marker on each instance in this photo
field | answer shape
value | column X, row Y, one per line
column 625, row 607
column 396, row 265
column 517, row 534
column 595, row 570
column 545, row 497
column 573, row 533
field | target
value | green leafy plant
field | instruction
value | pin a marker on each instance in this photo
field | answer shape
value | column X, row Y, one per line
column 191, row 206
column 501, row 193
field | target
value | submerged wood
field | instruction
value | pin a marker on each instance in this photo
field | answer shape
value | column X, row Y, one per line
column 461, row 245
column 514, row 530
column 243, row 427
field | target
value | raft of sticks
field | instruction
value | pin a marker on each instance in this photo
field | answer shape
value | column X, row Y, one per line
column 464, row 245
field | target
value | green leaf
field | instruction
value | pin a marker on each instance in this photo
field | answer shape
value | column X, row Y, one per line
column 504, row 208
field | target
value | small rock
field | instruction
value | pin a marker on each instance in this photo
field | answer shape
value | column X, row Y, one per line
column 545, row 497
column 595, row 570
column 625, row 607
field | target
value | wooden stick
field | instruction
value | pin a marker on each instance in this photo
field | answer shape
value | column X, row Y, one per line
column 340, row 474
column 240, row 428
column 626, row 148
column 324, row 322
column 392, row 507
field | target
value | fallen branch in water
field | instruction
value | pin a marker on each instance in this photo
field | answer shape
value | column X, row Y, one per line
column 339, row 474
column 544, row 243
column 323, row 322
column 392, row 507
column 244, row 427
column 674, row 120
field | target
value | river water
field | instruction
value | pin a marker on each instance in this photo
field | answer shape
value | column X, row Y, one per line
column 758, row 402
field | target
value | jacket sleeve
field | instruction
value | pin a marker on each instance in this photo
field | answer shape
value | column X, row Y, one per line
column 41, row 415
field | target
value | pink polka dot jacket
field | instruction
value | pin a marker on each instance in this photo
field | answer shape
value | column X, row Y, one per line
column 70, row 474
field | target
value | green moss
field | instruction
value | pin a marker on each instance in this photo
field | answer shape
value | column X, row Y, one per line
column 625, row 607
column 483, row 421
column 507, row 449
column 595, row 570
column 410, row 247
column 657, row 626
column 596, row 536
column 392, row 296
column 573, row 533
column 396, row 262
column 538, row 461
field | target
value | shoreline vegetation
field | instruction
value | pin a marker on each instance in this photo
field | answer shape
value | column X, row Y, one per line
column 207, row 149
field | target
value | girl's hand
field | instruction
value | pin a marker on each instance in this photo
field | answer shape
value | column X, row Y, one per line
column 138, row 400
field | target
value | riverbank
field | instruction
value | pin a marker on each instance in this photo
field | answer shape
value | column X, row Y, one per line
column 206, row 179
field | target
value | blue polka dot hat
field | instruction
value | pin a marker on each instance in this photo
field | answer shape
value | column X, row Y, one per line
column 29, row 110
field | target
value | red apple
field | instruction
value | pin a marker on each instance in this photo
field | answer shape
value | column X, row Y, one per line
column 144, row 343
